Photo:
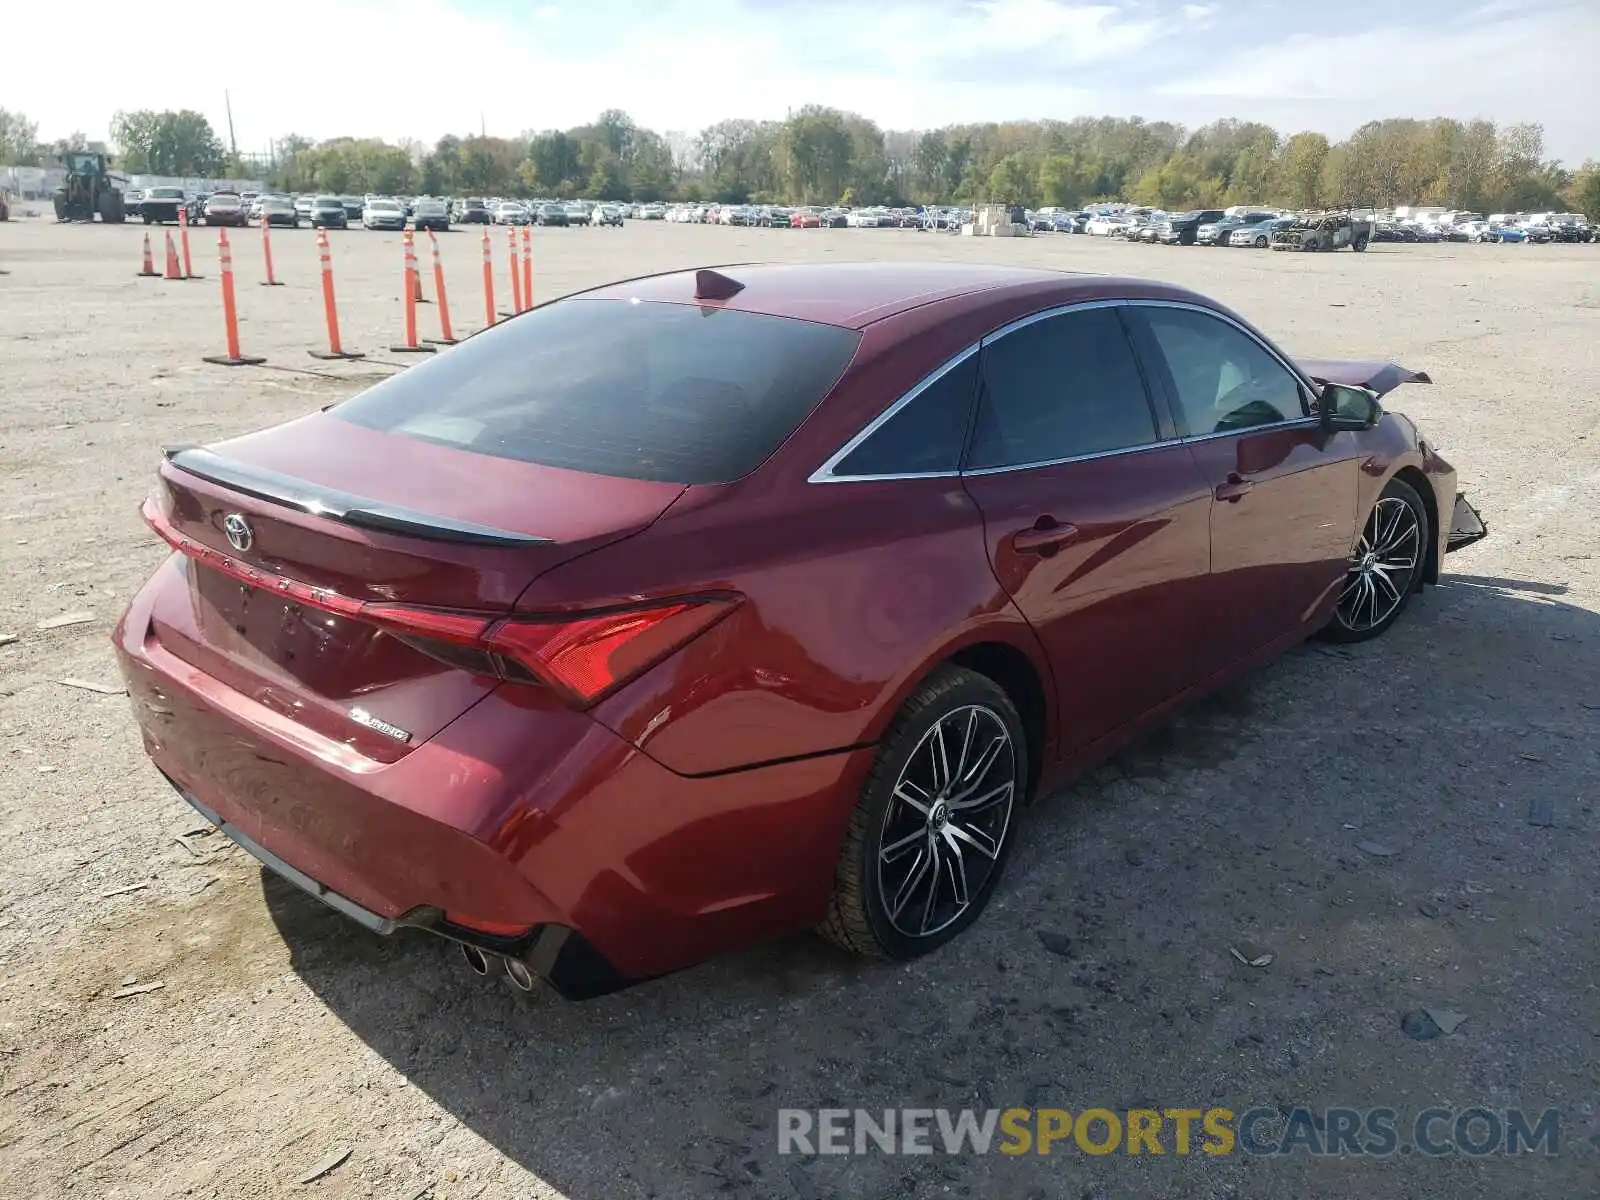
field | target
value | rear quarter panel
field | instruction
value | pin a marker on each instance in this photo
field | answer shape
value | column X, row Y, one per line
column 850, row 598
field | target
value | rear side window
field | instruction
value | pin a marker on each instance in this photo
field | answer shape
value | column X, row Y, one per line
column 926, row 435
column 672, row 393
column 1059, row 388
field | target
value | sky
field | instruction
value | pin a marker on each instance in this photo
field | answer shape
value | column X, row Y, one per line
column 422, row 68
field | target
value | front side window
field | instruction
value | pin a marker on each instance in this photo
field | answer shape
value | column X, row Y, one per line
column 1060, row 388
column 1223, row 378
column 925, row 436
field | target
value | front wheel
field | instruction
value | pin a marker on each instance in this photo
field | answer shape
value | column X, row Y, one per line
column 1385, row 567
column 1359, row 245
column 930, row 834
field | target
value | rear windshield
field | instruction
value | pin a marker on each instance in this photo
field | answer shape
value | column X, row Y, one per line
column 671, row 393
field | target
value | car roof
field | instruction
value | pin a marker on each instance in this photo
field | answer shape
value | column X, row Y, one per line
column 854, row 295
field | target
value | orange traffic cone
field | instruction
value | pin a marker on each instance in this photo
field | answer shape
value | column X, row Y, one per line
column 148, row 271
column 230, row 312
column 174, row 270
column 413, row 289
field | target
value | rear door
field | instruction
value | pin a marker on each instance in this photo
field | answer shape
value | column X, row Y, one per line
column 1096, row 525
column 1284, row 511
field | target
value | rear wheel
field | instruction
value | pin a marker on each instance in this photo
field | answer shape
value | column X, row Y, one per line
column 1359, row 244
column 1385, row 568
column 931, row 831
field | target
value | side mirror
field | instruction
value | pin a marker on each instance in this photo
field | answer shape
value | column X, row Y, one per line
column 1351, row 408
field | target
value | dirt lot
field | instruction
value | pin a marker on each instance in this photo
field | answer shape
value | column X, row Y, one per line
column 282, row 1033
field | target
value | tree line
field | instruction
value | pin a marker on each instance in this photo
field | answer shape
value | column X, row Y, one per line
column 822, row 155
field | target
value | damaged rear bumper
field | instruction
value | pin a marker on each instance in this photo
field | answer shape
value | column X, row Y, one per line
column 1466, row 525
column 559, row 955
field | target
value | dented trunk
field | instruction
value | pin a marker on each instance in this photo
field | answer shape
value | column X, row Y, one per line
column 1379, row 377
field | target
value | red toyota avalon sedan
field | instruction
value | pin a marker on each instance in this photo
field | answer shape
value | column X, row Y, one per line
column 715, row 605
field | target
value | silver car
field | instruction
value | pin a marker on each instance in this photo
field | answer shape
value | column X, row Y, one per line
column 383, row 214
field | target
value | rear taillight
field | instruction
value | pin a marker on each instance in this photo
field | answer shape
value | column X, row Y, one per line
column 582, row 655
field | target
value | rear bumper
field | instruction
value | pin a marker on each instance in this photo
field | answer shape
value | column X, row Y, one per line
column 562, row 957
column 522, row 827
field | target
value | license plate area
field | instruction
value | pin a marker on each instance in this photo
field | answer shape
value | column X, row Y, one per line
column 260, row 626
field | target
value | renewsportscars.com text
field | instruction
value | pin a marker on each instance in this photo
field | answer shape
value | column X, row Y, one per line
column 1378, row 1132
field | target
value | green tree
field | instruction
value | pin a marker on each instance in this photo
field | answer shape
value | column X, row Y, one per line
column 1583, row 194
column 737, row 159
column 1299, row 170
column 167, row 143
column 19, row 140
column 1471, row 167
column 485, row 165
column 75, row 141
column 813, row 153
column 652, row 174
column 1062, row 181
column 820, row 154
column 1011, row 182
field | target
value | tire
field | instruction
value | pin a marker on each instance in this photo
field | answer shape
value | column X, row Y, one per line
column 908, row 904
column 1261, row 243
column 1359, row 245
column 1367, row 609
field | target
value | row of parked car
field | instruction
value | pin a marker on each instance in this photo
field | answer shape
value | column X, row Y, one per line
column 1241, row 226
column 1531, row 228
column 561, row 213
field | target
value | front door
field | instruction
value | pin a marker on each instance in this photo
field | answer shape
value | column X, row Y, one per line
column 1283, row 517
column 1096, row 527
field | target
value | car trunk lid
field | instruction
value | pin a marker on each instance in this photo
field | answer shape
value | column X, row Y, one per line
column 297, row 540
column 1375, row 376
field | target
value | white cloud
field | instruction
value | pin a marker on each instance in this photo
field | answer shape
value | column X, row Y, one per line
column 1507, row 64
column 422, row 68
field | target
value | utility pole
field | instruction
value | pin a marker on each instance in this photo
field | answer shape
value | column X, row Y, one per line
column 233, row 144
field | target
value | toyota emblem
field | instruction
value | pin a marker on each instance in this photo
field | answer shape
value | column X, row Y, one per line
column 239, row 533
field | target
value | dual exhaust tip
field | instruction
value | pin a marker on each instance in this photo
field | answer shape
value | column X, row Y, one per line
column 479, row 963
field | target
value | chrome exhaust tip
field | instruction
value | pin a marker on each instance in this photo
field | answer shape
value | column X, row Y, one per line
column 476, row 959
column 521, row 974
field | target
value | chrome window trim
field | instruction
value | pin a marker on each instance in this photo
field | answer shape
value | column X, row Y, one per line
column 824, row 473
column 1046, row 314
column 1158, row 444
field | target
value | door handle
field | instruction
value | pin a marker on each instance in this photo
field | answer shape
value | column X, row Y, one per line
column 1234, row 489
column 1046, row 536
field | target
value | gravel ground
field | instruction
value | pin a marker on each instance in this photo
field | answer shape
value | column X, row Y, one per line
column 1101, row 975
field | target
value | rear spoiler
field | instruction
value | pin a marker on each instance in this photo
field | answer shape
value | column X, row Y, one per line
column 359, row 511
column 1379, row 377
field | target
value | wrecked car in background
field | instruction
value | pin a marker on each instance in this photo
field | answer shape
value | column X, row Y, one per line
column 1324, row 231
